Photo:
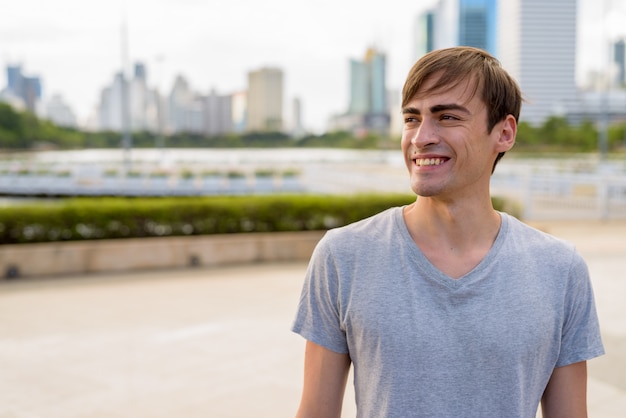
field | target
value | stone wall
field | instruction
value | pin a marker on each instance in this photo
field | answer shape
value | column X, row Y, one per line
column 100, row 256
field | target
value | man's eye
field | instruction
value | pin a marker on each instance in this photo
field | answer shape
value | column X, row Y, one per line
column 449, row 117
column 410, row 119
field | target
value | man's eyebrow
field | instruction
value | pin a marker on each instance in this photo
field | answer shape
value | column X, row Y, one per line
column 436, row 109
column 411, row 110
column 451, row 106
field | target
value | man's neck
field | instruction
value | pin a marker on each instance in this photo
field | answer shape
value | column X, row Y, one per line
column 454, row 238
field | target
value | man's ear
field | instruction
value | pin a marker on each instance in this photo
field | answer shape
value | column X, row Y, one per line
column 507, row 132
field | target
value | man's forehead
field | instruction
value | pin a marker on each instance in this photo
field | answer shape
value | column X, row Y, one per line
column 461, row 91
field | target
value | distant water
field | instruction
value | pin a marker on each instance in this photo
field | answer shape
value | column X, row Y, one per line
column 319, row 166
column 273, row 157
column 323, row 170
column 221, row 156
column 544, row 187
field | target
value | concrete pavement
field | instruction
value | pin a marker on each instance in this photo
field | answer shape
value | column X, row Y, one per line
column 215, row 342
column 603, row 245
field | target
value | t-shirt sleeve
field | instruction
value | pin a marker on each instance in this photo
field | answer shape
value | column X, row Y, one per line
column 580, row 339
column 318, row 316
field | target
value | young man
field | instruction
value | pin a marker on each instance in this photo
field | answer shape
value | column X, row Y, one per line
column 446, row 307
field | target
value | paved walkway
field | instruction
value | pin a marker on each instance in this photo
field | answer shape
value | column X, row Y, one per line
column 216, row 342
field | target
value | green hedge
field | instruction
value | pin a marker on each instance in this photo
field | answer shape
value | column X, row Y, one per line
column 110, row 218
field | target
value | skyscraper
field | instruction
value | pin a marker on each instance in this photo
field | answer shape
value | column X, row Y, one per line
column 466, row 23
column 239, row 110
column 265, row 100
column 14, row 78
column 57, row 111
column 619, row 60
column 538, row 48
column 368, row 92
column 184, row 108
column 297, row 129
column 218, row 114
column 359, row 86
column 378, row 82
column 424, row 34
column 477, row 24
column 139, row 95
column 26, row 89
column 141, row 112
column 110, row 108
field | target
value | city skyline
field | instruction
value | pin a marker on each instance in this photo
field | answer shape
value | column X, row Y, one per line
column 76, row 47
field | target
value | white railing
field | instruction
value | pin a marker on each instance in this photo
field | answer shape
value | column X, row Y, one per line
column 575, row 187
column 76, row 185
column 552, row 196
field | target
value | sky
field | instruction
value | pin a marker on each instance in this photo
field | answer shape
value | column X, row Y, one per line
column 76, row 46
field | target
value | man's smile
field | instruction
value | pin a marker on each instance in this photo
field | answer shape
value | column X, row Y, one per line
column 422, row 162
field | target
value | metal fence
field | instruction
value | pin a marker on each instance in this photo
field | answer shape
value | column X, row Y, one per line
column 553, row 195
column 76, row 185
column 574, row 187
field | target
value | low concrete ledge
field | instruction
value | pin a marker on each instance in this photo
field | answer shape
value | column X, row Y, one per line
column 99, row 256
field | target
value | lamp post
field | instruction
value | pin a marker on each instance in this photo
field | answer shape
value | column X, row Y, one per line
column 604, row 82
column 127, row 140
column 159, row 141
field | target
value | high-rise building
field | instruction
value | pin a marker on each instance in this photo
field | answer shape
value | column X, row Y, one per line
column 359, row 86
column 265, row 100
column 478, row 24
column 32, row 92
column 143, row 105
column 239, row 110
column 296, row 128
column 14, row 78
column 139, row 95
column 598, row 106
column 424, row 34
column 466, row 23
column 140, row 71
column 57, row 111
column 184, row 109
column 538, row 48
column 377, row 63
column 218, row 114
column 619, row 60
column 110, row 110
column 26, row 89
column 368, row 92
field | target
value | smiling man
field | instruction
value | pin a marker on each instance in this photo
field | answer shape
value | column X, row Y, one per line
column 447, row 307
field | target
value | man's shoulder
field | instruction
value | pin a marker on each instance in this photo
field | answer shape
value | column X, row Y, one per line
column 363, row 232
column 362, row 240
column 532, row 237
column 379, row 221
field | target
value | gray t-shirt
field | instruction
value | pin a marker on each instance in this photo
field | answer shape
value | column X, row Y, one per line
column 425, row 345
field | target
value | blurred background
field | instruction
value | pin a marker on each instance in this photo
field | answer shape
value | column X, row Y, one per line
column 146, row 80
column 69, row 61
column 188, row 99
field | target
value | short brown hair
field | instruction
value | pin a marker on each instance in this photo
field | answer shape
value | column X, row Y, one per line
column 497, row 89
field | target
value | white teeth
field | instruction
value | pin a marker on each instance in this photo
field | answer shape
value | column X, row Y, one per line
column 428, row 161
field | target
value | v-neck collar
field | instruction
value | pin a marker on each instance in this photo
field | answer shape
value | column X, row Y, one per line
column 433, row 272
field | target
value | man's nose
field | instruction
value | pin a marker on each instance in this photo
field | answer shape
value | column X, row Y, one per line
column 426, row 134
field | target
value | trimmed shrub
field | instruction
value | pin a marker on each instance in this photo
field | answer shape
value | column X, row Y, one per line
column 112, row 218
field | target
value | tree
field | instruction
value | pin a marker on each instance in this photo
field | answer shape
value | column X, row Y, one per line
column 10, row 120
column 526, row 135
column 617, row 135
